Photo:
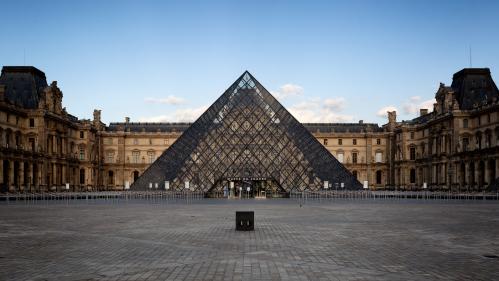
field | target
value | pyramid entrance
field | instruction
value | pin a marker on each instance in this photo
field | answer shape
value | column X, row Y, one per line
column 246, row 137
column 247, row 187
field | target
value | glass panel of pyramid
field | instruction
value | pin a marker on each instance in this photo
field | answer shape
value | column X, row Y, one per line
column 246, row 134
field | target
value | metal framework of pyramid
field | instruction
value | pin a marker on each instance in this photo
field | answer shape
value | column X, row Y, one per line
column 246, row 134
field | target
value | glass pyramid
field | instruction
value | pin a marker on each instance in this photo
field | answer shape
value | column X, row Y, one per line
column 246, row 135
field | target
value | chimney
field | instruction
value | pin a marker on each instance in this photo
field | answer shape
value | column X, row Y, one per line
column 127, row 120
column 423, row 111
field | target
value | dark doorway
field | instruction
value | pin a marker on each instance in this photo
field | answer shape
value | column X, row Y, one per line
column 6, row 172
column 247, row 188
column 135, row 175
column 492, row 171
column 82, row 176
column 110, row 178
column 35, row 175
column 481, row 174
column 16, row 175
column 378, row 177
column 26, row 179
column 463, row 175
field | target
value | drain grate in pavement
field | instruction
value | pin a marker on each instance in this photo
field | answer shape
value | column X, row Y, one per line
column 491, row 256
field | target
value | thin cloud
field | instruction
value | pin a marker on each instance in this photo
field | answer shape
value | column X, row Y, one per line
column 414, row 104
column 172, row 100
column 320, row 111
column 383, row 112
column 337, row 104
column 287, row 90
column 180, row 115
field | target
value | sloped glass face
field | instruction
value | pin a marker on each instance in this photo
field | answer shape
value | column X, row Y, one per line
column 246, row 135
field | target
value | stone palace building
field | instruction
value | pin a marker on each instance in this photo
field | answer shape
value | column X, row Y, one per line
column 43, row 147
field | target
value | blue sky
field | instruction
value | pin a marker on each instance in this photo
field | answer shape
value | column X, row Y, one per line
column 327, row 61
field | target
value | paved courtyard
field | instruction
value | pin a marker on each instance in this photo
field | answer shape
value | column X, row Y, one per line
column 340, row 240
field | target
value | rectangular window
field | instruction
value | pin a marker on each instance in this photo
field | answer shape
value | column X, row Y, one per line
column 340, row 157
column 354, row 141
column 32, row 144
column 354, row 157
column 412, row 135
column 412, row 153
column 465, row 123
column 82, row 134
column 151, row 157
column 110, row 157
column 340, row 141
column 82, row 154
column 325, row 141
column 466, row 143
column 378, row 141
column 379, row 157
column 31, row 122
column 135, row 157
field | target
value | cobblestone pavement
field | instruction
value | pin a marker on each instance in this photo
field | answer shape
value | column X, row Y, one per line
column 340, row 240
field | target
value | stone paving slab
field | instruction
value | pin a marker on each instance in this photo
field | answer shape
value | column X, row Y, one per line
column 340, row 240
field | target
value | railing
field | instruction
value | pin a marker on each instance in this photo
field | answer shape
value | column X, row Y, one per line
column 192, row 196
column 105, row 197
column 332, row 195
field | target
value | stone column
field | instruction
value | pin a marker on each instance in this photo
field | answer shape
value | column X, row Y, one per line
column 64, row 175
column 433, row 174
column 1, row 169
column 22, row 184
column 54, row 175
column 477, row 173
column 486, row 175
column 497, row 167
column 11, row 176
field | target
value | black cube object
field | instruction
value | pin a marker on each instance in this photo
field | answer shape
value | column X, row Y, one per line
column 245, row 220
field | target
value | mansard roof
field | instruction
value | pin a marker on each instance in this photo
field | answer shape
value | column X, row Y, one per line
column 148, row 127
column 180, row 127
column 474, row 87
column 23, row 85
column 342, row 127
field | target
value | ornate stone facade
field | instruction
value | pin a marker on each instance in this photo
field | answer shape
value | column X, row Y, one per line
column 42, row 147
